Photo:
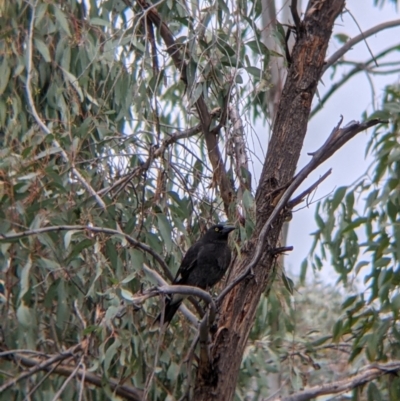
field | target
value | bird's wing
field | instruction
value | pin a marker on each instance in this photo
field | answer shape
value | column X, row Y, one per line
column 188, row 263
column 215, row 254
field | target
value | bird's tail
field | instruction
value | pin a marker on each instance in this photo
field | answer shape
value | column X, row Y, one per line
column 171, row 306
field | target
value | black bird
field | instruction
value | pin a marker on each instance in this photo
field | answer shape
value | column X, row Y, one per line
column 203, row 266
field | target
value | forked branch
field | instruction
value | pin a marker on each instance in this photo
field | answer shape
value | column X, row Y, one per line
column 337, row 138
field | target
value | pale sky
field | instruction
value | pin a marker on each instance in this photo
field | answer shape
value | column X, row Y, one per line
column 351, row 100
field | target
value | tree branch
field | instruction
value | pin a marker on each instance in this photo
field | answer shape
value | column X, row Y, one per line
column 214, row 154
column 295, row 14
column 110, row 231
column 179, row 289
column 157, row 152
column 189, row 290
column 337, row 138
column 362, row 36
column 188, row 314
column 295, row 201
column 128, row 392
column 369, row 373
column 358, row 68
column 42, row 125
column 41, row 365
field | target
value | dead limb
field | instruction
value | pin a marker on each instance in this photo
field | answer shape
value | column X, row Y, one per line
column 337, row 138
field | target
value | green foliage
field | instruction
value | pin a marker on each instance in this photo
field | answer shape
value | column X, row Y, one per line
column 112, row 100
column 291, row 341
column 364, row 242
column 100, row 79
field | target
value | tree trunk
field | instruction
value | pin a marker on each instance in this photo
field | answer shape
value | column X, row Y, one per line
column 217, row 380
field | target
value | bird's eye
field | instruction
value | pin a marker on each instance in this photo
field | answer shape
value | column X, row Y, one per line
column 216, row 229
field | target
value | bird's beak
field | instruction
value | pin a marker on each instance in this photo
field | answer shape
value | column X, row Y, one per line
column 227, row 229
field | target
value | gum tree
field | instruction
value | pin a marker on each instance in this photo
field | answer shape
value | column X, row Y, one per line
column 123, row 136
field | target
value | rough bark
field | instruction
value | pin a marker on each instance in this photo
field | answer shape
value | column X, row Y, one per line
column 217, row 380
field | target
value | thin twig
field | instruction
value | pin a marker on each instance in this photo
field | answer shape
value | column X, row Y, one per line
column 157, row 152
column 67, row 380
column 82, row 383
column 350, row 43
column 298, row 199
column 361, row 32
column 38, row 384
column 358, row 68
column 39, row 121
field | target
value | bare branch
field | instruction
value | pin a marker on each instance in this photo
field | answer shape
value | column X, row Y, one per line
column 110, row 231
column 82, row 383
column 295, row 14
column 295, row 201
column 358, row 68
column 369, row 373
column 176, row 136
column 128, row 392
column 281, row 249
column 336, row 140
column 41, row 366
column 189, row 290
column 21, row 351
column 39, row 121
column 187, row 313
column 362, row 36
